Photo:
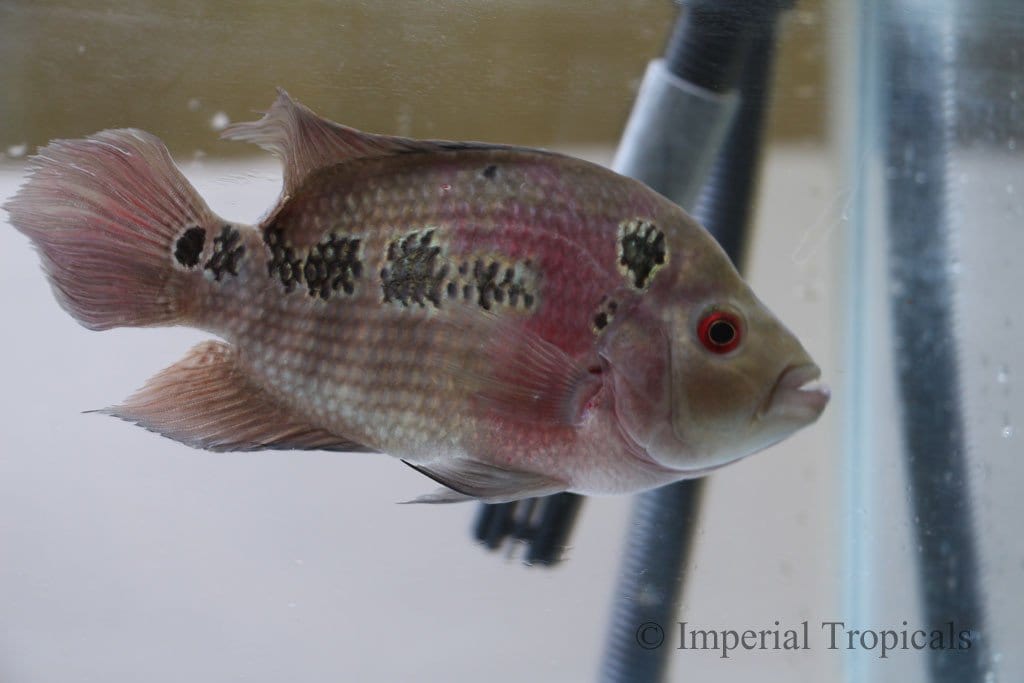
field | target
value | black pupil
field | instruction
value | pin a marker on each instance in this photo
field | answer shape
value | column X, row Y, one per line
column 721, row 332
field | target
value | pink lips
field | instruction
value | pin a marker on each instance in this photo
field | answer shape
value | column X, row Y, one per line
column 796, row 394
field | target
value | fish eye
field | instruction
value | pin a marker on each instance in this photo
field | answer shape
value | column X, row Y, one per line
column 719, row 331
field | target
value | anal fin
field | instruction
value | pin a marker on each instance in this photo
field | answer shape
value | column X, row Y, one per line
column 205, row 401
column 466, row 480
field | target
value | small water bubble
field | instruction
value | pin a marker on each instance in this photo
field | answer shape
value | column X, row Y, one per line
column 80, row 49
column 1007, row 431
column 808, row 292
column 1011, row 144
column 1003, row 374
column 17, row 151
column 403, row 123
column 219, row 121
column 193, row 104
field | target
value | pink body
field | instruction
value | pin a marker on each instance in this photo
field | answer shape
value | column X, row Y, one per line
column 503, row 319
column 379, row 372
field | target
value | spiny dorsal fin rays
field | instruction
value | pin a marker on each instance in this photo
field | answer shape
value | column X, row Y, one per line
column 305, row 141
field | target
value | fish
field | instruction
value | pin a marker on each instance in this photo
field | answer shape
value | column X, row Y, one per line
column 510, row 322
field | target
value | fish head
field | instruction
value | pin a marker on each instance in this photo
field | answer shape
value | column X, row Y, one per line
column 703, row 373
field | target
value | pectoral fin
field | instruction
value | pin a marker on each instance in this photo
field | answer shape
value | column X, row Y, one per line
column 526, row 378
column 206, row 401
column 472, row 480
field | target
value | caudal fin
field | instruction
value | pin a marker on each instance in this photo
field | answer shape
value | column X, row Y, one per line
column 117, row 226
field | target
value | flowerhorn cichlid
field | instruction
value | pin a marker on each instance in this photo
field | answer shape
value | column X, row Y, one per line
column 508, row 321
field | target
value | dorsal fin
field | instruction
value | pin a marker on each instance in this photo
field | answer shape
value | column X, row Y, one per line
column 306, row 142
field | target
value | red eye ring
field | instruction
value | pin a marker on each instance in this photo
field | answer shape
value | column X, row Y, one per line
column 719, row 331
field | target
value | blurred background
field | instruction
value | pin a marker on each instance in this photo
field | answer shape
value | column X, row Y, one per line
column 125, row 556
column 528, row 72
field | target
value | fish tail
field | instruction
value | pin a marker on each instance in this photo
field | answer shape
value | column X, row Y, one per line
column 118, row 228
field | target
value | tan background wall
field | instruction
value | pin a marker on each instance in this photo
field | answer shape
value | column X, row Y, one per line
column 529, row 72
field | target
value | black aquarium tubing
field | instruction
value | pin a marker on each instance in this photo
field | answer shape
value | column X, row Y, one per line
column 550, row 535
column 709, row 42
column 725, row 204
column 917, row 125
column 664, row 520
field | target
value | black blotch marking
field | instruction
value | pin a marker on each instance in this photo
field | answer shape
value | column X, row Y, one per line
column 486, row 285
column 284, row 265
column 189, row 247
column 641, row 250
column 490, row 282
column 605, row 313
column 490, row 172
column 332, row 264
column 415, row 272
column 227, row 253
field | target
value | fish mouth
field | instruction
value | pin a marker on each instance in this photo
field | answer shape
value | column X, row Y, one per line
column 797, row 394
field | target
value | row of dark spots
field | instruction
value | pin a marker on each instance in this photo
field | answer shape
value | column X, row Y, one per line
column 414, row 270
column 227, row 253
column 225, row 257
column 331, row 265
column 284, row 264
column 483, row 284
column 415, row 273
